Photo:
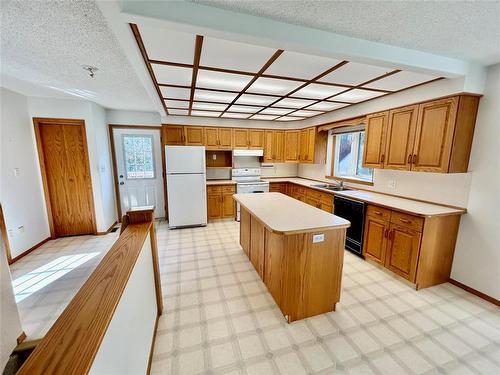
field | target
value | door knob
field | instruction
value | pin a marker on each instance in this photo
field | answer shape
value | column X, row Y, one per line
column 122, row 183
column 121, row 176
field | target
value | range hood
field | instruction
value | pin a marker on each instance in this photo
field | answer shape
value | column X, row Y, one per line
column 259, row 152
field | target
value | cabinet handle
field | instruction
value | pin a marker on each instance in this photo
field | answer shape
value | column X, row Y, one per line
column 405, row 221
column 391, row 234
column 415, row 158
column 409, row 159
column 377, row 212
column 382, row 158
column 386, row 233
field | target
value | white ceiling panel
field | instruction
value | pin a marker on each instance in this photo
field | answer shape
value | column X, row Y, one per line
column 299, row 65
column 233, row 55
column 293, row 103
column 256, row 99
column 205, row 113
column 289, row 118
column 176, row 104
column 327, row 106
column 168, row 45
column 218, row 80
column 400, row 81
column 235, row 115
column 244, row 108
column 317, row 91
column 273, row 86
column 276, row 111
column 354, row 74
column 305, row 113
column 357, row 95
column 175, row 92
column 172, row 75
column 214, row 96
column 209, row 106
column 183, row 112
column 263, row 117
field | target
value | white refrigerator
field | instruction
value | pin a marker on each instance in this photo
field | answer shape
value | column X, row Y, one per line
column 186, row 186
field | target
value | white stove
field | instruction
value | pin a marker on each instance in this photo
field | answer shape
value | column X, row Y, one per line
column 248, row 182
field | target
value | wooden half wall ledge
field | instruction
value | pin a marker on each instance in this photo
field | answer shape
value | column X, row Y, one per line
column 72, row 343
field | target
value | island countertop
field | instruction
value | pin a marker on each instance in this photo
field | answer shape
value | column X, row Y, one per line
column 283, row 214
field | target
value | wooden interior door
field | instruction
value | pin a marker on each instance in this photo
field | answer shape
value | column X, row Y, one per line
column 291, row 145
column 434, row 135
column 225, row 139
column 375, row 241
column 63, row 153
column 376, row 126
column 400, row 138
column 240, row 138
column 402, row 252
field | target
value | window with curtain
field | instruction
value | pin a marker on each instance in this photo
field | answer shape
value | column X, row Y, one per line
column 347, row 154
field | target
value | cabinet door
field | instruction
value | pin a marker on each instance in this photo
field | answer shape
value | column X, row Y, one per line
column 375, row 239
column 240, row 138
column 245, row 231
column 214, row 206
column 311, row 201
column 269, row 146
column 173, row 135
column 303, row 145
column 400, row 138
column 279, row 140
column 211, row 138
column 326, row 207
column 311, row 140
column 225, row 139
column 193, row 135
column 434, row 135
column 376, row 125
column 256, row 139
column 257, row 245
column 291, row 145
column 402, row 251
column 228, row 205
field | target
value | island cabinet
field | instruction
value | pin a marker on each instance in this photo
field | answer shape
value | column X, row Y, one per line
column 220, row 203
column 434, row 136
column 419, row 249
column 297, row 250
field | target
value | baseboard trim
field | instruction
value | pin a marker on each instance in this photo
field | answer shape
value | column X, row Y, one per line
column 152, row 349
column 109, row 230
column 475, row 292
column 21, row 338
column 15, row 259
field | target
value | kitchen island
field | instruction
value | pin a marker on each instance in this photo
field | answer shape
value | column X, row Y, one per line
column 297, row 249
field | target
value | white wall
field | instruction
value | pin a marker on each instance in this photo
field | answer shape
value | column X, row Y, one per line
column 120, row 117
column 477, row 254
column 22, row 196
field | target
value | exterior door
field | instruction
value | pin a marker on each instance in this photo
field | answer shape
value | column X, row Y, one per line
column 400, row 138
column 139, row 167
column 376, row 125
column 62, row 148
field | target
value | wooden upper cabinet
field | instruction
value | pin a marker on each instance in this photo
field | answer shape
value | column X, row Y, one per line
column 291, row 146
column 376, row 127
column 400, row 138
column 312, row 146
column 193, row 136
column 279, row 144
column 256, row 139
column 172, row 135
column 434, row 135
column 225, row 138
column 273, row 146
column 240, row 138
column 269, row 146
column 211, row 138
column 303, row 145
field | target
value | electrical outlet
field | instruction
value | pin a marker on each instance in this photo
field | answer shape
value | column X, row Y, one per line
column 214, row 156
column 10, row 233
column 391, row 184
column 318, row 238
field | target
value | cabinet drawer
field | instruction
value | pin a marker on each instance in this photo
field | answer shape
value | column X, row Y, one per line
column 315, row 194
column 408, row 221
column 228, row 188
column 212, row 189
column 299, row 189
column 376, row 211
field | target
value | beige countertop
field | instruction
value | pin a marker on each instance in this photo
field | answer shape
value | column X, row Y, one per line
column 221, row 182
column 402, row 204
column 283, row 214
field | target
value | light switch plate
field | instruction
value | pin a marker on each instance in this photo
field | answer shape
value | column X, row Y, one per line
column 318, row 238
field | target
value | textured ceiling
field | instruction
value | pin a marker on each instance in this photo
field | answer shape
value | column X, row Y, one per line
column 46, row 43
column 467, row 30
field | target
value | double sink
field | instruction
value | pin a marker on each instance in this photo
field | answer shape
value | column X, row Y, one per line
column 331, row 187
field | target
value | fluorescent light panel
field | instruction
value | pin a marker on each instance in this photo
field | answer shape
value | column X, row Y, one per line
column 263, row 117
column 244, row 108
column 214, row 96
column 293, row 103
column 235, row 115
column 256, row 99
column 317, row 91
column 219, row 80
column 273, row 86
column 172, row 75
column 175, row 92
column 357, row 95
column 206, row 113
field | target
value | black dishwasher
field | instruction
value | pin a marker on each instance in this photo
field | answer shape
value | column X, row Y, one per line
column 353, row 211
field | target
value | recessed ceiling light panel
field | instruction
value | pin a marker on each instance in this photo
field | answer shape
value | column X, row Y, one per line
column 299, row 65
column 172, row 75
column 305, row 113
column 289, row 118
column 168, row 45
column 293, row 103
column 214, row 96
column 273, row 86
column 400, row 81
column 175, row 92
column 209, row 106
column 179, row 112
column 354, row 74
column 244, row 108
column 263, row 117
column 276, row 111
column 176, row 104
column 326, row 106
column 223, row 81
column 357, row 95
column 256, row 99
column 205, row 113
column 317, row 91
column 236, row 115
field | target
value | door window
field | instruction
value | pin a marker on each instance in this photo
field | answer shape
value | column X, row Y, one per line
column 139, row 156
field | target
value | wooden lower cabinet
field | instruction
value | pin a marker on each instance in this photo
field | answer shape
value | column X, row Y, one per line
column 220, row 202
column 245, row 231
column 416, row 248
column 257, row 245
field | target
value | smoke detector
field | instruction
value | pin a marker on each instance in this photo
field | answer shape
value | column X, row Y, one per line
column 90, row 69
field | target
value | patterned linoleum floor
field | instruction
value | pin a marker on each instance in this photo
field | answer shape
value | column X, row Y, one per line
column 220, row 319
column 47, row 279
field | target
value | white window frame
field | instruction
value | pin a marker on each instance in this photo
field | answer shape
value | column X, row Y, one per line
column 152, row 155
